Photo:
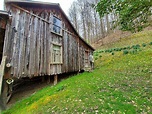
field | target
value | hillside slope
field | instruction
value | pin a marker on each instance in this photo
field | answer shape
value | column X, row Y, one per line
column 121, row 83
column 121, row 36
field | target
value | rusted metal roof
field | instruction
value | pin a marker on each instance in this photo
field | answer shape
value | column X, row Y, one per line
column 30, row 2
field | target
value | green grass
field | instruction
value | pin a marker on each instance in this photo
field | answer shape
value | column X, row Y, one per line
column 120, row 84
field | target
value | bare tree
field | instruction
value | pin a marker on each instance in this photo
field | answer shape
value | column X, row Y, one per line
column 73, row 13
column 88, row 22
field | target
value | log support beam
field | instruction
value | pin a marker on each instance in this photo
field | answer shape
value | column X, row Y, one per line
column 55, row 79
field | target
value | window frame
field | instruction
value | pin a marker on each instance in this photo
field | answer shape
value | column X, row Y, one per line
column 53, row 24
column 52, row 54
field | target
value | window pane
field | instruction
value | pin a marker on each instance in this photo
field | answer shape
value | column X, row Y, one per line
column 55, row 47
column 57, row 22
column 56, row 29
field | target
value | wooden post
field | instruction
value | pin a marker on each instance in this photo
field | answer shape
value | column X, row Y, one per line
column 55, row 79
column 2, row 68
column 48, row 80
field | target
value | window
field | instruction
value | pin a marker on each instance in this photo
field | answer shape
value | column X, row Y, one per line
column 56, row 54
column 57, row 25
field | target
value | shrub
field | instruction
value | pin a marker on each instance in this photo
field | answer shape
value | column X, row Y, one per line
column 134, row 47
column 137, row 46
column 116, row 49
column 113, row 49
column 133, row 51
column 100, row 56
column 150, row 43
column 106, row 51
column 96, row 58
column 96, row 54
column 120, row 49
column 110, row 50
column 128, row 47
column 125, row 52
column 124, row 48
column 144, row 45
column 112, row 53
column 100, row 51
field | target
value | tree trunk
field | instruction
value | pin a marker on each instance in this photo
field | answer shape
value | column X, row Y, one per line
column 102, row 28
column 108, row 24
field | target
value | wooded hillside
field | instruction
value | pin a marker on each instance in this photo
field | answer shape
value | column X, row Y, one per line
column 126, row 15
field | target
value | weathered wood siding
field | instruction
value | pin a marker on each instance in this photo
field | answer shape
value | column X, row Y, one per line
column 29, row 40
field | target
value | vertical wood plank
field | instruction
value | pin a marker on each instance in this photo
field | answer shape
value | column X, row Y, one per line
column 27, row 55
column 37, row 56
column 18, row 28
column 30, row 51
column 27, row 22
column 41, row 48
column 34, row 46
column 45, row 49
column 48, row 51
column 16, row 25
column 22, row 45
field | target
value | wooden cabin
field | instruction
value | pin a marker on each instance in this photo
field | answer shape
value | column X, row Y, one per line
column 38, row 39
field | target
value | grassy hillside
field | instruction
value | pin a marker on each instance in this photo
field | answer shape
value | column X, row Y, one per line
column 136, row 38
column 121, row 83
